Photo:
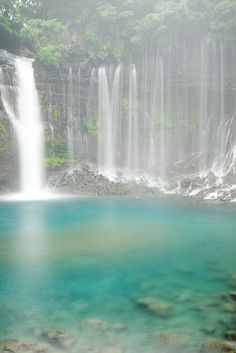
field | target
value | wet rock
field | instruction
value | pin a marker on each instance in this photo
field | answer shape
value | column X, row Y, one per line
column 155, row 307
column 185, row 183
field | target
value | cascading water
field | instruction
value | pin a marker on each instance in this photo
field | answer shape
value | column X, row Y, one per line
column 133, row 132
column 167, row 116
column 29, row 131
column 108, row 112
column 171, row 113
column 26, row 120
column 70, row 119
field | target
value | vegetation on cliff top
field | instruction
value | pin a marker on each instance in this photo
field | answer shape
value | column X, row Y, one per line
column 105, row 29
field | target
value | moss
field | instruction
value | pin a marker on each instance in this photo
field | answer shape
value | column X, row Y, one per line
column 54, row 161
column 56, row 114
column 2, row 128
column 92, row 127
column 44, row 100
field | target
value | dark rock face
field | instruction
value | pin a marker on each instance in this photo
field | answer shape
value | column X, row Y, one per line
column 84, row 180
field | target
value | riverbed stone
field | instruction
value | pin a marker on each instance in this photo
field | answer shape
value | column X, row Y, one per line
column 155, row 306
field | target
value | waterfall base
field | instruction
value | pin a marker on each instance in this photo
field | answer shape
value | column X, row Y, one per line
column 28, row 198
column 85, row 180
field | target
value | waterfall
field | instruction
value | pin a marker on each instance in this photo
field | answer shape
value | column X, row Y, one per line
column 133, row 128
column 162, row 148
column 26, row 120
column 29, row 131
column 166, row 110
column 108, row 112
column 50, row 122
column 106, row 146
column 167, row 115
column 203, row 105
column 70, row 118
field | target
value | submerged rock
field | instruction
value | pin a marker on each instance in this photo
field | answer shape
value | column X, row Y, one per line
column 58, row 338
column 167, row 339
column 232, row 295
column 17, row 346
column 96, row 324
column 155, row 307
column 231, row 335
column 100, row 325
column 218, row 347
column 229, row 307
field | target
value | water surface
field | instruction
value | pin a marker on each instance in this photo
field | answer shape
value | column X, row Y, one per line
column 81, row 266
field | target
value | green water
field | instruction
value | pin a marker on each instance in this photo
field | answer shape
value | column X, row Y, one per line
column 81, row 265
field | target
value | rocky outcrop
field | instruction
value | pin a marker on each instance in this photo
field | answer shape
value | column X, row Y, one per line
column 84, row 180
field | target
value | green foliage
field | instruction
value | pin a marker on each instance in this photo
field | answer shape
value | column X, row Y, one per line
column 92, row 127
column 125, row 104
column 6, row 25
column 49, row 37
column 2, row 129
column 223, row 18
column 44, row 100
column 105, row 30
column 56, row 114
column 55, row 147
column 54, row 161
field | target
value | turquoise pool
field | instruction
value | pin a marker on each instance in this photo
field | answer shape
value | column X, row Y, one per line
column 117, row 275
